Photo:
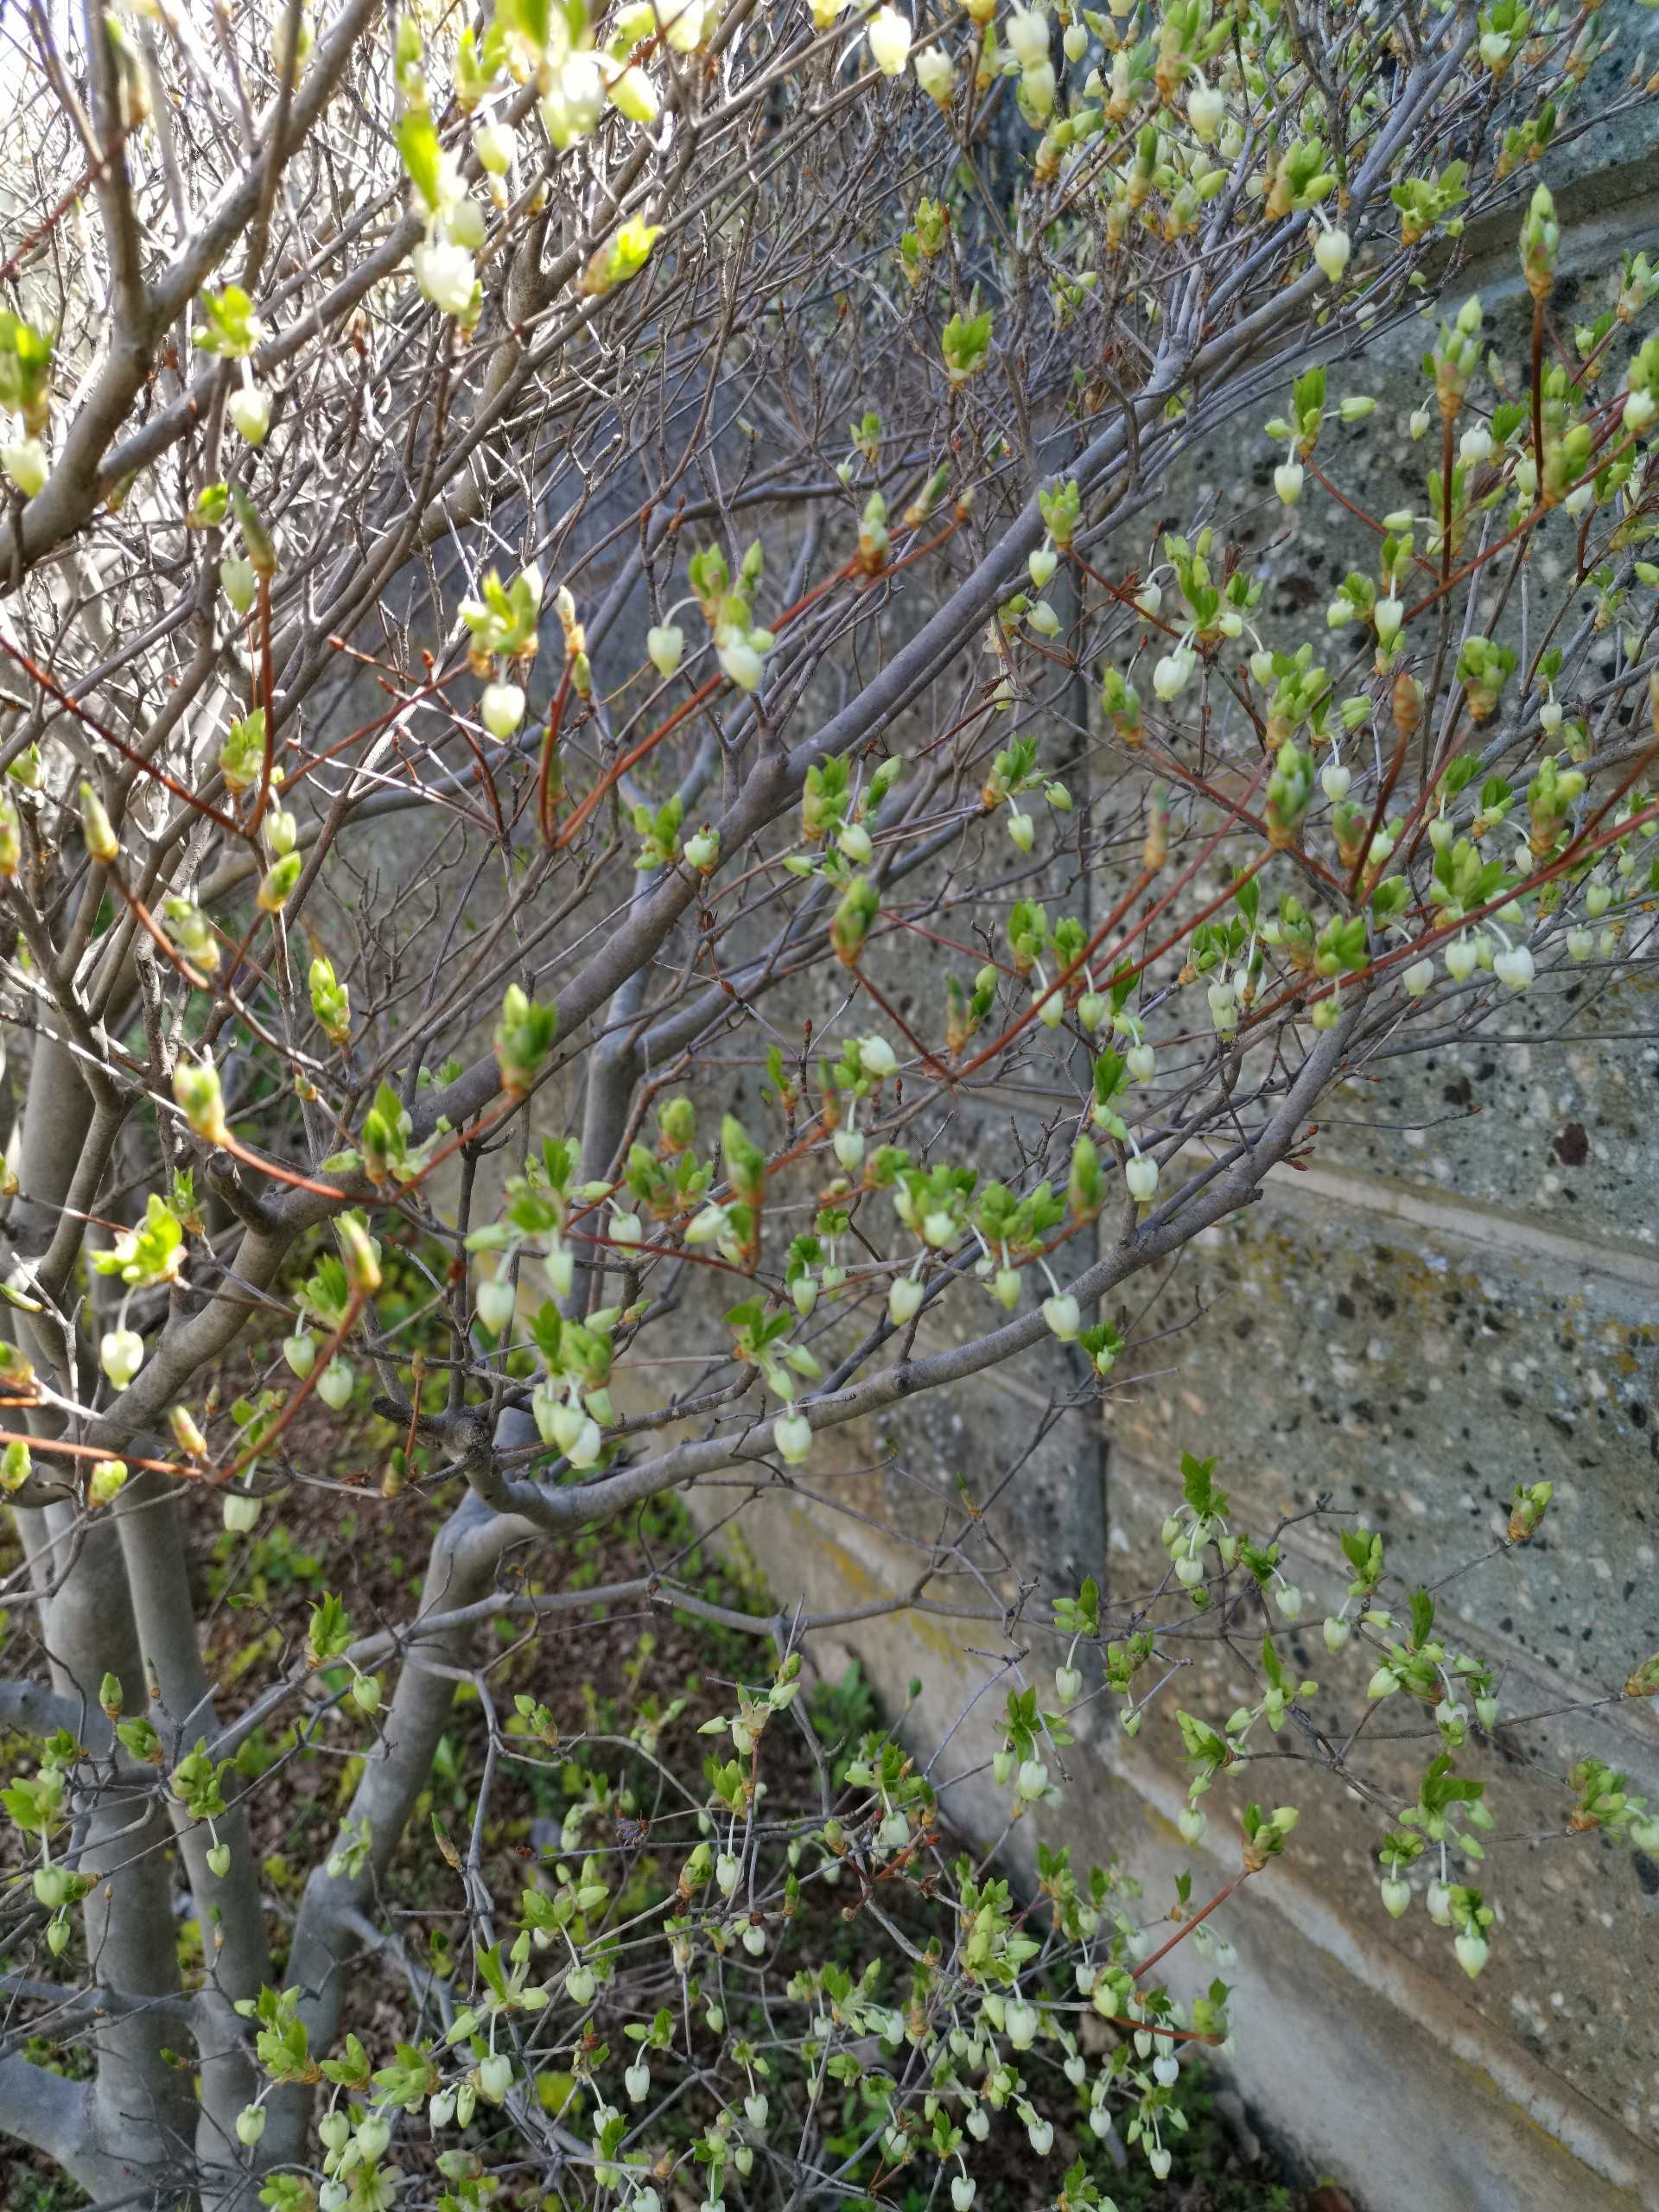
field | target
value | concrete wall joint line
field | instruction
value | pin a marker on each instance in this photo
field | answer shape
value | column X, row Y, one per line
column 1494, row 1228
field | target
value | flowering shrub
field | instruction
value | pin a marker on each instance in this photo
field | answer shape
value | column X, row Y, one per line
column 549, row 562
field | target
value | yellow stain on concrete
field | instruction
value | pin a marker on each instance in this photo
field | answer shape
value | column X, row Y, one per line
column 1164, row 1829
column 1571, row 2164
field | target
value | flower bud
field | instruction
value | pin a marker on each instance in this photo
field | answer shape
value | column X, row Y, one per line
column 1033, row 1780
column 633, row 94
column 249, row 409
column 1204, row 108
column 359, row 1252
column 740, row 661
column 1171, row 674
column 1141, row 1176
column 493, row 145
column 665, row 644
column 496, row 1303
column 585, row 1448
column 889, row 36
column 101, row 841
column 1513, row 968
column 494, row 2076
column 26, row 465
column 850, row 1146
column 501, row 708
column 684, row 25
column 444, row 274
column 334, row 1384
column 120, row 1354
column 278, row 884
column 792, row 1437
column 106, row 1481
column 1472, row 1949
column 936, row 75
column 1330, row 250
column 465, row 225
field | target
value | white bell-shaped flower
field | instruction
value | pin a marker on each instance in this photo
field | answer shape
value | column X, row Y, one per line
column 889, row 35
column 445, row 274
column 1330, row 250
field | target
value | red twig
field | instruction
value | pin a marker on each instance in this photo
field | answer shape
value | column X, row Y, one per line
column 1187, row 1926
column 127, row 751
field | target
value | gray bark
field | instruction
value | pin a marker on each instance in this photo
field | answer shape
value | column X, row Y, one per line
column 465, row 1555
column 140, row 2117
column 228, row 1910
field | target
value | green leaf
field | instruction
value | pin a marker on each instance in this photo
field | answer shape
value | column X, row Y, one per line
column 1422, row 1617
column 417, row 143
column 1200, row 1492
column 330, row 1633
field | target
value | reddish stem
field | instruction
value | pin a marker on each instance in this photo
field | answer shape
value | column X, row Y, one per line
column 1187, row 1926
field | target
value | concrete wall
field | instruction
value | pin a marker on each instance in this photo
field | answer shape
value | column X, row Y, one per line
column 1461, row 1293
column 1410, row 1357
